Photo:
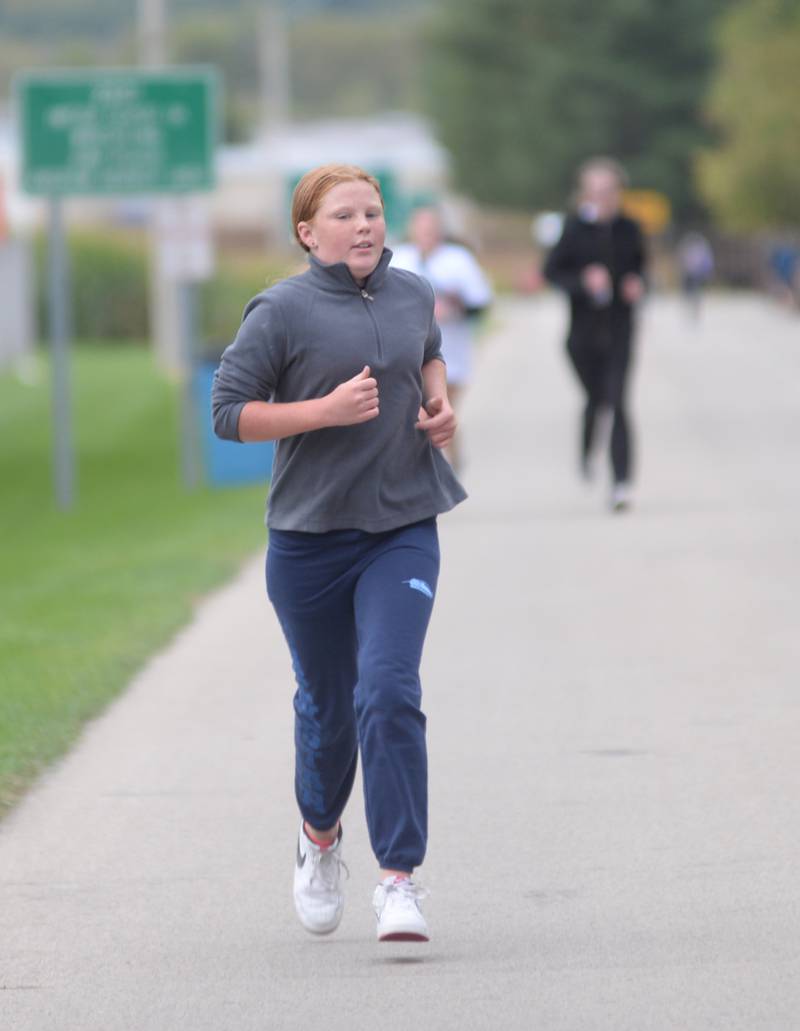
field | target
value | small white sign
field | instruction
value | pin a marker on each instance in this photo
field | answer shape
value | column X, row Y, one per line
column 185, row 243
column 546, row 228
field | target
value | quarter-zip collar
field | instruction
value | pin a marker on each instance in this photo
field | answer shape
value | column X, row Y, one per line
column 338, row 277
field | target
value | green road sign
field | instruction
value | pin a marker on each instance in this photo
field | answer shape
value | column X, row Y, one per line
column 121, row 131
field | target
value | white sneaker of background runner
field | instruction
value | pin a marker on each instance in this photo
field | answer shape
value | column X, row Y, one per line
column 621, row 497
column 318, row 896
column 396, row 903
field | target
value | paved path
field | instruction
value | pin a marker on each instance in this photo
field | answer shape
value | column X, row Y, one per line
column 614, row 718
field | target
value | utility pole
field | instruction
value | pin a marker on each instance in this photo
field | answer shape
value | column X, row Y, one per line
column 172, row 299
column 274, row 67
column 273, row 63
column 152, row 42
column 60, row 340
column 165, row 316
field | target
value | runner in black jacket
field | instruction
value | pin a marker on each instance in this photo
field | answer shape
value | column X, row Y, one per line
column 599, row 262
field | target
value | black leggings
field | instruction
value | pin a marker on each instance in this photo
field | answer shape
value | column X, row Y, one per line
column 602, row 368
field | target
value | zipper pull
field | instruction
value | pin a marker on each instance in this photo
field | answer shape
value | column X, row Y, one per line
column 366, row 296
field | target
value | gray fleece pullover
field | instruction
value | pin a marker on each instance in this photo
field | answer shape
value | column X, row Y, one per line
column 299, row 340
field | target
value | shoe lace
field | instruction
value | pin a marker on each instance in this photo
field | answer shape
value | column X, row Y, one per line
column 326, row 867
column 407, row 890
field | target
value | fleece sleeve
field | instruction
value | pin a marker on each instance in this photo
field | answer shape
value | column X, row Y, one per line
column 433, row 342
column 251, row 366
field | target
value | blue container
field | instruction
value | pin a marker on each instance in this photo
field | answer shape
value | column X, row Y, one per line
column 227, row 462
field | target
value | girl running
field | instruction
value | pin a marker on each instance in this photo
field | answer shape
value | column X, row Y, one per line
column 342, row 366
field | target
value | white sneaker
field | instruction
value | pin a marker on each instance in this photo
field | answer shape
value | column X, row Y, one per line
column 396, row 903
column 621, row 497
column 318, row 897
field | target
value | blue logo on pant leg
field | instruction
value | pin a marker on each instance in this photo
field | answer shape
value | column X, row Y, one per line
column 421, row 586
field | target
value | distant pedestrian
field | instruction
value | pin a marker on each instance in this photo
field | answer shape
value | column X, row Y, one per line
column 599, row 262
column 784, row 267
column 462, row 293
column 696, row 261
column 342, row 365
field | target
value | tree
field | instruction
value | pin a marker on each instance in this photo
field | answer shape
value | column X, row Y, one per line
column 348, row 58
column 227, row 44
column 343, row 65
column 523, row 90
column 751, row 179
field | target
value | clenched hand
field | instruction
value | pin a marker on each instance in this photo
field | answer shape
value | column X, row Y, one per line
column 354, row 401
column 438, row 420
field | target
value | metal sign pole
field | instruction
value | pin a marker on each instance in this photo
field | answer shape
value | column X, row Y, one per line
column 63, row 451
column 190, row 461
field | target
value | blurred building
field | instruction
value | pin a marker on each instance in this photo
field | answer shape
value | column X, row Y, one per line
column 21, row 212
column 256, row 180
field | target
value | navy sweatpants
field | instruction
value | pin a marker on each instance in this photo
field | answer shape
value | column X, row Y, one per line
column 602, row 367
column 354, row 608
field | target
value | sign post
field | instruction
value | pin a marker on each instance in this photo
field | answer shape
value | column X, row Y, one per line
column 186, row 257
column 59, row 315
column 88, row 133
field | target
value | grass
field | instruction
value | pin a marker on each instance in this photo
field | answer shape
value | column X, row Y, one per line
column 86, row 596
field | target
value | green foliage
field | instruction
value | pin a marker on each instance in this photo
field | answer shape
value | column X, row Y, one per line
column 88, row 595
column 352, row 66
column 523, row 90
column 340, row 64
column 15, row 54
column 228, row 44
column 97, row 19
column 53, row 19
column 223, row 298
column 108, row 285
column 109, row 288
column 751, row 179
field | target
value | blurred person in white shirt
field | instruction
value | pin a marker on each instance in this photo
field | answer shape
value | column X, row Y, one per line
column 462, row 294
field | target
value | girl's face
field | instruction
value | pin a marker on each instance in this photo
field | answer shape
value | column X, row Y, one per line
column 602, row 191
column 348, row 226
column 425, row 230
